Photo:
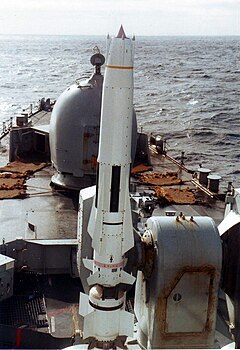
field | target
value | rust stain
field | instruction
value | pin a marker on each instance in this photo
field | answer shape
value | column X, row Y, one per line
column 149, row 258
column 87, row 135
column 141, row 168
column 162, row 304
column 160, row 179
column 175, row 195
column 86, row 161
column 10, row 194
column 12, row 183
column 94, row 162
column 23, row 168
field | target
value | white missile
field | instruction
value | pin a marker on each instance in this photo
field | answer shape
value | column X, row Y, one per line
column 110, row 224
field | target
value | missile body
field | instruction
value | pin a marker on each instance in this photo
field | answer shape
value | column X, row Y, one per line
column 110, row 224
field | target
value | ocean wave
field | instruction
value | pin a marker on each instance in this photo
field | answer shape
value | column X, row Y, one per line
column 206, row 76
column 7, row 86
column 219, row 116
column 185, row 88
column 204, row 134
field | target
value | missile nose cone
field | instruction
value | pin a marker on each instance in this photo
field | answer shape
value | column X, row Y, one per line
column 121, row 33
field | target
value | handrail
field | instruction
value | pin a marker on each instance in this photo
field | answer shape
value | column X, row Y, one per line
column 29, row 111
column 6, row 127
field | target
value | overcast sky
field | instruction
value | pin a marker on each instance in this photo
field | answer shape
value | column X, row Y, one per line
column 139, row 17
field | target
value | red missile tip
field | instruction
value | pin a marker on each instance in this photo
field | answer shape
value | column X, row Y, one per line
column 121, row 33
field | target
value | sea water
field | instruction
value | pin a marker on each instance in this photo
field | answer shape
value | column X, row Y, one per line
column 187, row 89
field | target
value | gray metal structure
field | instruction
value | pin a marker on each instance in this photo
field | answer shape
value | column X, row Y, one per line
column 45, row 237
column 176, row 305
column 74, row 133
column 6, row 277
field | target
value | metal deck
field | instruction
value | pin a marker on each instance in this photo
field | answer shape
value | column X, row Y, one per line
column 47, row 214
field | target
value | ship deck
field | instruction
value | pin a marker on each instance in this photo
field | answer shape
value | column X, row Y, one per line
column 49, row 214
column 54, row 212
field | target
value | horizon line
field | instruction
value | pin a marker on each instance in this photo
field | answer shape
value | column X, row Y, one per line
column 105, row 35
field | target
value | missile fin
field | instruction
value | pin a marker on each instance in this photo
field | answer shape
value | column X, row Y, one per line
column 91, row 223
column 88, row 263
column 96, row 222
column 93, row 279
column 89, row 325
column 83, row 304
column 128, row 239
column 97, row 235
column 126, row 320
column 127, row 278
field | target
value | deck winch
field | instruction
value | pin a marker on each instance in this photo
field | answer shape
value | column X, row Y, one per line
column 180, row 297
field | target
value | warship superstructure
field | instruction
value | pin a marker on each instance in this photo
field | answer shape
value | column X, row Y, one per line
column 92, row 207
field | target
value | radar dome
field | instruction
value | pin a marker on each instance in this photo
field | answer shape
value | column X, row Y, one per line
column 74, row 133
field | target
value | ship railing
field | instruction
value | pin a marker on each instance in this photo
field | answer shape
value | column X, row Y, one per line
column 6, row 127
column 25, row 117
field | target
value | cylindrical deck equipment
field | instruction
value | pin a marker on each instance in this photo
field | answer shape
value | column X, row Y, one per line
column 203, row 174
column 213, row 182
